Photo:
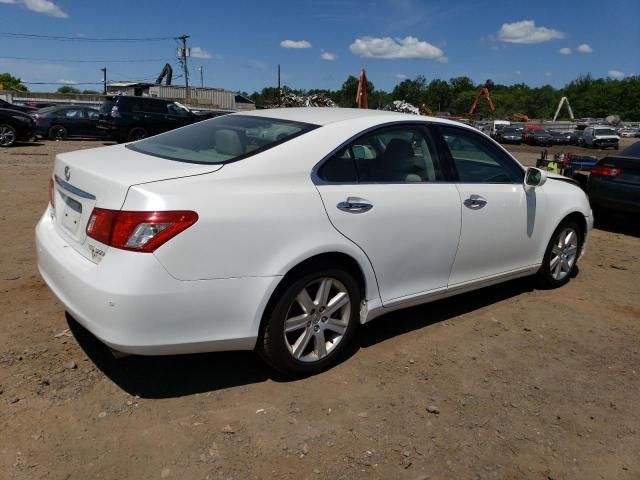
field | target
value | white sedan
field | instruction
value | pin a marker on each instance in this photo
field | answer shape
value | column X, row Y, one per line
column 283, row 230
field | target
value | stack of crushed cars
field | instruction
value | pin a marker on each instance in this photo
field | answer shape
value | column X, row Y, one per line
column 402, row 107
column 289, row 100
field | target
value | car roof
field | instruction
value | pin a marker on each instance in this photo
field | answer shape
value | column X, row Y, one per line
column 328, row 115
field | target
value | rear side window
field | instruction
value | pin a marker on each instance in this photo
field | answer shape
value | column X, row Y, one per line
column 154, row 106
column 222, row 139
column 403, row 154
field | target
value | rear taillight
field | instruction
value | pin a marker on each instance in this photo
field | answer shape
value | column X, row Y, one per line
column 137, row 231
column 115, row 113
column 606, row 171
column 52, row 193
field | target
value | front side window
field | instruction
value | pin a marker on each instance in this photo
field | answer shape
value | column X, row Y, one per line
column 222, row 139
column 403, row 154
column 478, row 160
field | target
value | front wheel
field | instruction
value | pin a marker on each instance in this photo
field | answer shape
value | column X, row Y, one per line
column 58, row 132
column 137, row 133
column 560, row 258
column 8, row 135
column 311, row 322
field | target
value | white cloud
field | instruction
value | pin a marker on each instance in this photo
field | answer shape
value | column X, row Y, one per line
column 198, row 52
column 295, row 44
column 46, row 7
column 525, row 31
column 615, row 74
column 518, row 72
column 547, row 74
column 328, row 55
column 565, row 51
column 389, row 48
column 68, row 82
column 401, row 76
column 584, row 48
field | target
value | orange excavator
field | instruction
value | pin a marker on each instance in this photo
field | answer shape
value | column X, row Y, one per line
column 425, row 110
column 520, row 117
column 484, row 91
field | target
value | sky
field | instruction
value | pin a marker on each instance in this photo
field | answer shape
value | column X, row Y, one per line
column 320, row 43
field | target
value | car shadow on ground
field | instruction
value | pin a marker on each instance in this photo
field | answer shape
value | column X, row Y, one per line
column 180, row 375
column 625, row 224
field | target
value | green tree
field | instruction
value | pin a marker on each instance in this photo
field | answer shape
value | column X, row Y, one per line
column 9, row 82
column 67, row 89
column 411, row 91
column 91, row 92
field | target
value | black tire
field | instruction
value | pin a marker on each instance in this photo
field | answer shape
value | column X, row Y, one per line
column 8, row 135
column 546, row 277
column 273, row 345
column 137, row 133
column 58, row 132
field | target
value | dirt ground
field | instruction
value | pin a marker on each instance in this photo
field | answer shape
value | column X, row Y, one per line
column 509, row 382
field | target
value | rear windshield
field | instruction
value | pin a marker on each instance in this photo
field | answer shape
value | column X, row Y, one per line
column 221, row 139
column 605, row 131
column 107, row 104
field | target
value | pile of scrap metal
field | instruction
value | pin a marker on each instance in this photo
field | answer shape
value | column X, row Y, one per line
column 292, row 100
column 402, row 107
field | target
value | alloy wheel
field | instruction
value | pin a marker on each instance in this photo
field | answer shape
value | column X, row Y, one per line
column 564, row 253
column 7, row 136
column 317, row 319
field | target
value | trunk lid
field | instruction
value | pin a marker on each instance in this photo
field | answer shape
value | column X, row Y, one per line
column 629, row 167
column 101, row 178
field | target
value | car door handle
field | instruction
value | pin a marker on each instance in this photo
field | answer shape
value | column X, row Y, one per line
column 353, row 206
column 475, row 202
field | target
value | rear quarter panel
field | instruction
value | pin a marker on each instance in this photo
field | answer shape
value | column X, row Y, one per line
column 252, row 223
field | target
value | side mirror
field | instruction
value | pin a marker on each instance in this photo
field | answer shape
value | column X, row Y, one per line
column 534, row 178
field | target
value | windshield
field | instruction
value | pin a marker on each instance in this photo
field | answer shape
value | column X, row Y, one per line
column 221, row 139
column 605, row 131
column 510, row 131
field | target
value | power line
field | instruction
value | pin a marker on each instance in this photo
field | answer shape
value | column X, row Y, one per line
column 62, row 83
column 60, row 60
column 34, row 36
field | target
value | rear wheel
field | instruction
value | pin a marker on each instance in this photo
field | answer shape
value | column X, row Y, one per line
column 8, row 135
column 560, row 258
column 58, row 132
column 137, row 133
column 311, row 322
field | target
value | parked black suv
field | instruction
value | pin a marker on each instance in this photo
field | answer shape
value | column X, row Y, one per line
column 132, row 118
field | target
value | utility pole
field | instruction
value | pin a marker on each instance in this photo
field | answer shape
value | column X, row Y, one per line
column 279, row 90
column 201, row 79
column 185, row 67
column 104, row 80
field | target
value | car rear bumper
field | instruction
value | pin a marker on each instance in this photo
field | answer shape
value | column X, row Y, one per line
column 132, row 304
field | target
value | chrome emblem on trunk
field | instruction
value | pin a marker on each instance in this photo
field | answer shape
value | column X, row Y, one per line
column 67, row 173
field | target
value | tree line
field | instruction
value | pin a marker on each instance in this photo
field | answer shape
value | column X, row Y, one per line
column 589, row 97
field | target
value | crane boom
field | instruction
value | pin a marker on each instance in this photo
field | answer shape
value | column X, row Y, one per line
column 484, row 91
column 563, row 100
